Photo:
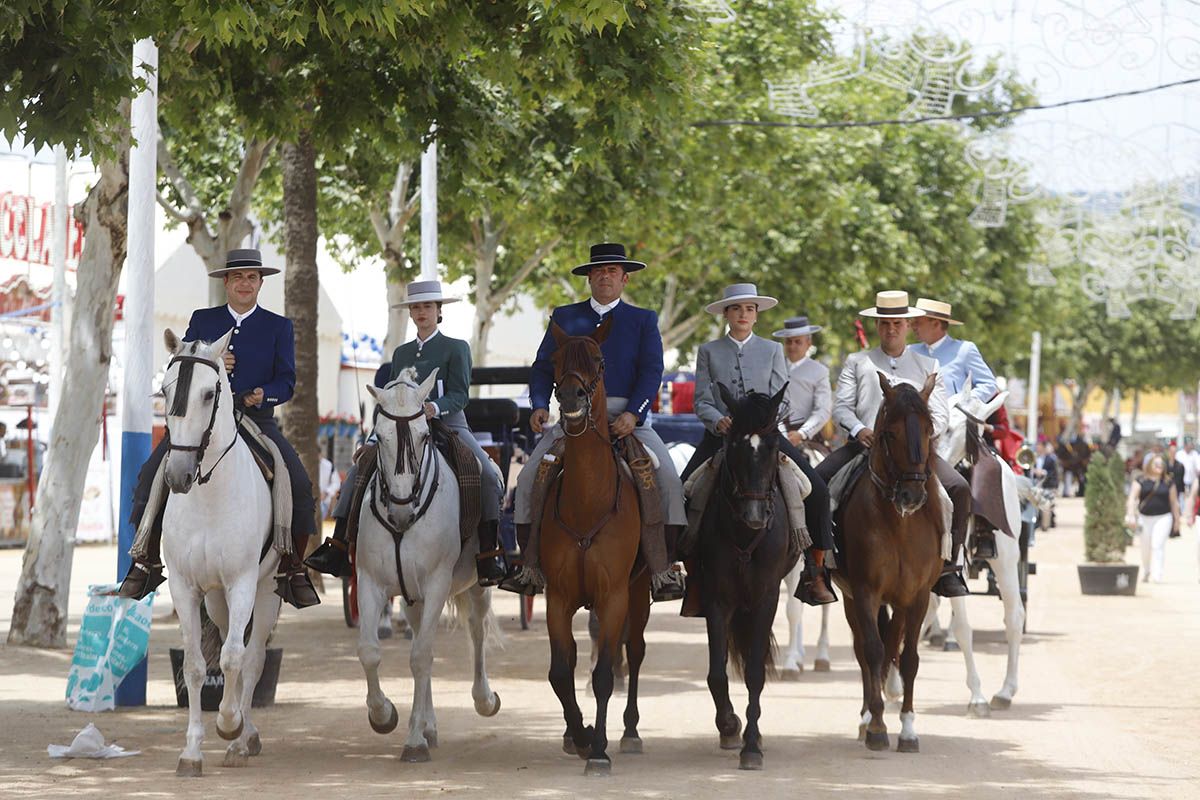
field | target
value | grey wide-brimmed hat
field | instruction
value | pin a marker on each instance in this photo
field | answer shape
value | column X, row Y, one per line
column 741, row 293
column 244, row 258
column 891, row 305
column 796, row 326
column 425, row 292
column 606, row 254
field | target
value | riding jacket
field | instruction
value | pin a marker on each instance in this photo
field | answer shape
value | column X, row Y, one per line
column 754, row 365
column 452, row 357
column 264, row 348
column 859, row 396
column 958, row 359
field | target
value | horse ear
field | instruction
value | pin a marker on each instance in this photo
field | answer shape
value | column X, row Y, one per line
column 171, row 341
column 992, row 405
column 558, row 333
column 602, row 331
column 221, row 345
column 777, row 401
column 427, row 385
column 886, row 386
column 726, row 397
column 371, row 390
column 930, row 383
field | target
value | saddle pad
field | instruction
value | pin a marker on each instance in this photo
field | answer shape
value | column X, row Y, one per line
column 843, row 482
column 987, row 492
column 465, row 466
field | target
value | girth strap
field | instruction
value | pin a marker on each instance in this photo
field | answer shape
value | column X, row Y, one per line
column 584, row 540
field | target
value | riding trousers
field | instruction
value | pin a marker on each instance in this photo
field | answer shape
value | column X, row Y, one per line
column 955, row 484
column 491, row 488
column 304, row 521
column 816, row 506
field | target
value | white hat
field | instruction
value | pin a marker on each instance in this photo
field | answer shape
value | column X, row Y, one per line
column 741, row 293
column 935, row 309
column 796, row 326
column 425, row 292
column 892, row 305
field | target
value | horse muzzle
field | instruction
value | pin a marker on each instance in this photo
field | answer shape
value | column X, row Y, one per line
column 910, row 499
column 180, row 472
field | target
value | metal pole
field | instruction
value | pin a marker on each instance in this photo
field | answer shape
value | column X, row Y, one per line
column 137, row 414
column 429, row 242
column 1031, row 403
column 58, row 324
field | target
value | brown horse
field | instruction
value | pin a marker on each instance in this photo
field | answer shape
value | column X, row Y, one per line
column 589, row 545
column 891, row 534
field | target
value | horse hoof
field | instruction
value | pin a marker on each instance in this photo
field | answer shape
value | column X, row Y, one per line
column 231, row 735
column 631, row 745
column 877, row 741
column 978, row 710
column 189, row 768
column 415, row 755
column 235, row 757
column 950, row 646
column 790, row 674
column 254, row 745
column 568, row 745
column 862, row 731
column 493, row 710
column 598, row 768
column 749, row 760
column 388, row 725
column 1001, row 703
column 431, row 739
column 912, row 745
column 937, row 640
column 821, row 665
column 731, row 741
column 385, row 631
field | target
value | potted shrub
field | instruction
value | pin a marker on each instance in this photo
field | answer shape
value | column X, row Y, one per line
column 1104, row 534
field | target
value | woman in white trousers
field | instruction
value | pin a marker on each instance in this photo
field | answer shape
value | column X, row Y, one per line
column 1153, row 506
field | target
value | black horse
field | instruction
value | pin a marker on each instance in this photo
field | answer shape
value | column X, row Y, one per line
column 743, row 545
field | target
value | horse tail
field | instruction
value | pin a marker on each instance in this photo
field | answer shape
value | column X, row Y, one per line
column 460, row 613
column 741, row 641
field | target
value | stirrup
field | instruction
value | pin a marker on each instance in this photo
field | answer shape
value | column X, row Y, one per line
column 526, row 580
column 491, row 567
column 951, row 584
column 331, row 558
column 667, row 585
column 141, row 580
column 299, row 593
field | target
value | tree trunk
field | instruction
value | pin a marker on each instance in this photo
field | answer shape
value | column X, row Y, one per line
column 1137, row 406
column 486, row 241
column 397, row 329
column 40, row 608
column 1079, row 396
column 300, row 291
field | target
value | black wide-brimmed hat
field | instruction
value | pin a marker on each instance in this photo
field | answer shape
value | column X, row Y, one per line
column 796, row 326
column 606, row 254
column 243, row 258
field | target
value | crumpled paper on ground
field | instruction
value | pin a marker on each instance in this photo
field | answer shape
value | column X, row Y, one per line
column 89, row 743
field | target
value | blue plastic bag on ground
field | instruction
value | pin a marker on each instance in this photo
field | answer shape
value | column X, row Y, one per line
column 113, row 638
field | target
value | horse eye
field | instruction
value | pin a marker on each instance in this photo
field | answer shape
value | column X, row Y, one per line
column 209, row 395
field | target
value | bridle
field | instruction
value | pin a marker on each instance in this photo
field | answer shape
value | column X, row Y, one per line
column 732, row 492
column 891, row 490
column 406, row 456
column 589, row 389
column 206, row 437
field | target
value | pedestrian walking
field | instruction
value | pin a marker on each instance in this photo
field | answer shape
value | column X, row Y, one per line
column 1153, row 508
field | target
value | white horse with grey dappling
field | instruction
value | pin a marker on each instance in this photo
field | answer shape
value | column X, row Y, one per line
column 215, row 525
column 414, row 497
column 953, row 448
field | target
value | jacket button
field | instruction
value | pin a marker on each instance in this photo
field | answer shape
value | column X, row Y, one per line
column 237, row 331
column 231, row 348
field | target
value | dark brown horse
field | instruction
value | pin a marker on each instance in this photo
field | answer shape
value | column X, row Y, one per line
column 891, row 535
column 589, row 544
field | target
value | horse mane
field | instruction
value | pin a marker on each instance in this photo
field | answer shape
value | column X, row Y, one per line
column 407, row 377
column 754, row 413
column 183, row 381
column 907, row 401
column 576, row 356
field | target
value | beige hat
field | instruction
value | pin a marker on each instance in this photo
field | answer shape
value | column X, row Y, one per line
column 892, row 305
column 936, row 309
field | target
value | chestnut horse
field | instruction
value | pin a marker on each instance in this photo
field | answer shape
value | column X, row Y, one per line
column 590, row 532
column 891, row 554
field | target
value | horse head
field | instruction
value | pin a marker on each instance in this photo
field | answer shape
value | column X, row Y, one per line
column 403, row 440
column 199, row 402
column 964, row 431
column 902, row 456
column 579, row 375
column 751, row 455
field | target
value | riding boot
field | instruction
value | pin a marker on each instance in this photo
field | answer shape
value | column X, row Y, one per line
column 145, row 574
column 815, row 588
column 951, row 583
column 525, row 578
column 333, row 556
column 693, row 598
column 292, row 582
column 490, row 565
column 985, row 544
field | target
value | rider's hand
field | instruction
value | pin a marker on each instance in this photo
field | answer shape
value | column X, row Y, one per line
column 254, row 398
column 430, row 411
column 796, row 438
column 623, row 425
column 538, row 419
column 723, row 425
column 866, row 437
column 229, row 360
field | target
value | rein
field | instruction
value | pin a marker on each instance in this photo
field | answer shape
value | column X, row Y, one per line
column 206, row 437
column 732, row 492
column 589, row 388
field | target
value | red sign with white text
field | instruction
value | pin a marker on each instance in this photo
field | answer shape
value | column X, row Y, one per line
column 27, row 231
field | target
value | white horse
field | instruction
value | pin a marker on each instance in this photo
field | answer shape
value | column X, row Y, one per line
column 953, row 448
column 414, row 499
column 215, row 526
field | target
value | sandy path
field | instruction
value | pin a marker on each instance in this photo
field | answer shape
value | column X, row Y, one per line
column 1107, row 708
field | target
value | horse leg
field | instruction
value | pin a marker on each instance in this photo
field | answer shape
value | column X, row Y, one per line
column 860, row 655
column 821, row 663
column 728, row 724
column 793, row 659
column 635, row 651
column 892, row 632
column 1005, row 567
column 933, row 626
column 266, row 609
column 866, row 610
column 576, row 740
column 240, row 600
column 612, row 611
column 756, row 677
column 910, row 659
column 961, row 625
column 187, row 606
column 487, row 702
column 422, row 719
column 381, row 713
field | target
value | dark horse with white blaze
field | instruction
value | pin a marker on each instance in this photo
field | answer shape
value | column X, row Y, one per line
column 591, row 530
column 891, row 554
column 743, row 544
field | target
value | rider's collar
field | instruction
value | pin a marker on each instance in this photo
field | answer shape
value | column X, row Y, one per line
column 238, row 319
column 938, row 343
column 602, row 310
column 422, row 342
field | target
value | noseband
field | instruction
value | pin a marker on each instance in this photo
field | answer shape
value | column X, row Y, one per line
column 406, row 456
column 890, row 490
column 206, row 437
column 589, row 390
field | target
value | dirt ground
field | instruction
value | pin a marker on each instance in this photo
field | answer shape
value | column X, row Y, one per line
column 1107, row 707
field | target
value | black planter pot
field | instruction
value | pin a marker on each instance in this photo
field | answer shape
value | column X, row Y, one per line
column 214, row 682
column 1108, row 578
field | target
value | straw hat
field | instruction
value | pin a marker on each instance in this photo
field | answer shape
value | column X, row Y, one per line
column 936, row 309
column 891, row 305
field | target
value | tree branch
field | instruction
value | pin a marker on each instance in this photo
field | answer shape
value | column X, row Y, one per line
column 531, row 263
column 253, row 162
column 172, row 210
column 181, row 184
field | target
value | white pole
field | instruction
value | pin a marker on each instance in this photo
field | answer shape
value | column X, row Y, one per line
column 58, row 296
column 429, row 243
column 1197, row 439
column 137, row 413
column 1031, row 402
